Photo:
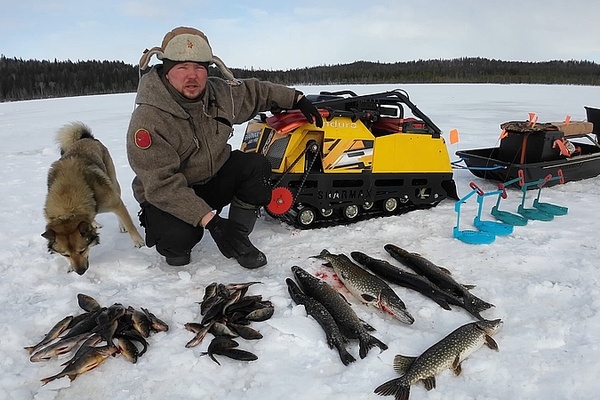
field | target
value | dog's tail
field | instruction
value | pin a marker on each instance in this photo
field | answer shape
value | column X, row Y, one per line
column 70, row 133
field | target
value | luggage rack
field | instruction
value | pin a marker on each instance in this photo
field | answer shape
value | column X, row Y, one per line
column 375, row 108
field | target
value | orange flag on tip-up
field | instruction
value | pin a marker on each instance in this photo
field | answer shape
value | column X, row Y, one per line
column 567, row 119
column 454, row 136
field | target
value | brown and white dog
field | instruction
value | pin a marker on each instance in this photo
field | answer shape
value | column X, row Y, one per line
column 81, row 184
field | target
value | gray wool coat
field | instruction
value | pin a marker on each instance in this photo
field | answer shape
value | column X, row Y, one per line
column 189, row 147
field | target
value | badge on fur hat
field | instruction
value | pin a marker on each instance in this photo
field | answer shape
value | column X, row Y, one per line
column 142, row 139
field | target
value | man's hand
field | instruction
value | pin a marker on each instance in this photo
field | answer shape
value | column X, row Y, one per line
column 229, row 237
column 308, row 109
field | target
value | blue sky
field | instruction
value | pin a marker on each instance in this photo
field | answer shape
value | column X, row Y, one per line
column 265, row 34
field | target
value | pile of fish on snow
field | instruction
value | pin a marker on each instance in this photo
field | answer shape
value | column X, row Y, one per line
column 227, row 314
column 341, row 323
column 86, row 331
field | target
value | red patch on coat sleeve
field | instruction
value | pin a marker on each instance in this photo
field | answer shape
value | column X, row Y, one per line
column 142, row 139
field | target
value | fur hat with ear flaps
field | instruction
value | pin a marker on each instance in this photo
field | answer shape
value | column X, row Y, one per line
column 186, row 44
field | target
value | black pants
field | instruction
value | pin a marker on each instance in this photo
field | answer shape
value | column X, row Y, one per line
column 245, row 176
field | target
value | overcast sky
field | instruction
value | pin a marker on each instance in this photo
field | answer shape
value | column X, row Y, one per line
column 270, row 34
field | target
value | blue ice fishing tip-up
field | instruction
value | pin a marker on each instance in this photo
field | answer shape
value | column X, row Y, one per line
column 541, row 211
column 487, row 230
column 505, row 216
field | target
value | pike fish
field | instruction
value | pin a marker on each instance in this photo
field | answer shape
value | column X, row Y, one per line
column 412, row 281
column 447, row 353
column 367, row 287
column 393, row 274
column 440, row 277
column 323, row 317
column 350, row 325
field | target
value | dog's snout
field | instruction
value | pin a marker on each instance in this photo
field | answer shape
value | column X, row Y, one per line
column 81, row 270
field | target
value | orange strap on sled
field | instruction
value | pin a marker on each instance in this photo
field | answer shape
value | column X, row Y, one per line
column 566, row 148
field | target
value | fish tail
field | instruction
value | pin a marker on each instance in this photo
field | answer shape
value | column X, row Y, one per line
column 376, row 342
column 46, row 380
column 363, row 349
column 368, row 344
column 442, row 302
column 51, row 378
column 345, row 356
column 398, row 387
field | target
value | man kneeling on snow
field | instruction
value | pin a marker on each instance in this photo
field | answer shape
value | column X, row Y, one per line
column 177, row 146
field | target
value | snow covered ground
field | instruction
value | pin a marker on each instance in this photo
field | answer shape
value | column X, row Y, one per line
column 543, row 278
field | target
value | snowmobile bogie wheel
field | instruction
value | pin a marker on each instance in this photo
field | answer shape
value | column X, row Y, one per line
column 368, row 205
column 390, row 205
column 404, row 199
column 326, row 212
column 306, row 217
column 351, row 212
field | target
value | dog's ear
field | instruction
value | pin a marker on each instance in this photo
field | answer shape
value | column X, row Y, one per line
column 88, row 231
column 50, row 235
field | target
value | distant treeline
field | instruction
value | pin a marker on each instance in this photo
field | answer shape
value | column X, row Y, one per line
column 33, row 79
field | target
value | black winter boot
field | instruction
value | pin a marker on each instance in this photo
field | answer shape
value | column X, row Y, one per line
column 246, row 215
column 178, row 261
column 243, row 215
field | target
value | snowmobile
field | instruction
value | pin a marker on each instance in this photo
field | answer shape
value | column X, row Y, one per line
column 376, row 155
